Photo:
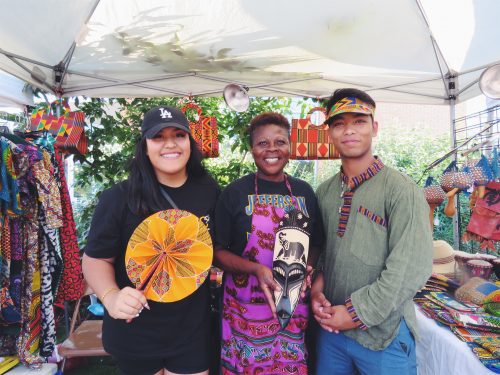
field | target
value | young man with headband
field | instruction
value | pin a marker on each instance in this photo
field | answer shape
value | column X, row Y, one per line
column 378, row 251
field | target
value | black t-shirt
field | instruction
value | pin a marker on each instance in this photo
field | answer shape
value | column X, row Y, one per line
column 233, row 214
column 168, row 327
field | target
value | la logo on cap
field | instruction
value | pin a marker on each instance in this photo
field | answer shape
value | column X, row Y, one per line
column 164, row 113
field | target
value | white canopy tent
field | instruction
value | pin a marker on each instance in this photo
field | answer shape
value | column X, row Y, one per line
column 414, row 51
column 411, row 51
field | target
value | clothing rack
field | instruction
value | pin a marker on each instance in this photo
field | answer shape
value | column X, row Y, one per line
column 474, row 135
column 482, row 127
column 479, row 131
column 483, row 130
column 39, row 250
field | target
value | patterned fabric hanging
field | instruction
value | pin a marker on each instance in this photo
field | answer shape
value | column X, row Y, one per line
column 48, row 333
column 72, row 286
column 9, row 313
column 28, row 341
column 50, row 218
column 9, row 192
column 29, row 336
column 16, row 262
column 35, row 220
column 48, row 191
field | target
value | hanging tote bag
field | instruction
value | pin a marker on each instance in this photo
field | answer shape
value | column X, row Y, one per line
column 43, row 117
column 204, row 131
column 68, row 129
column 485, row 218
column 309, row 141
column 71, row 137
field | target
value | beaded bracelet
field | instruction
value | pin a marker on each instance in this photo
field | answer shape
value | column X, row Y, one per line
column 109, row 290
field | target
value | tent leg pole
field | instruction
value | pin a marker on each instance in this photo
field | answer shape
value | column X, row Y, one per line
column 456, row 229
column 316, row 169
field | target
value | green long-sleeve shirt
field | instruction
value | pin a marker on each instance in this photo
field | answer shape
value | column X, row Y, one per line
column 384, row 256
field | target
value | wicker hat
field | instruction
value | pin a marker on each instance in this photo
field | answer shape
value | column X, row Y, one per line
column 443, row 261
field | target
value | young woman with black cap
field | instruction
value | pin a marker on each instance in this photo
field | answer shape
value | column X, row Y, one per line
column 144, row 336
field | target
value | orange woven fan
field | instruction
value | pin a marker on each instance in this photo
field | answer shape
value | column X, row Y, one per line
column 168, row 255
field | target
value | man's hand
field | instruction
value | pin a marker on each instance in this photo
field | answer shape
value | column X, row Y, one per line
column 340, row 319
column 321, row 309
column 268, row 285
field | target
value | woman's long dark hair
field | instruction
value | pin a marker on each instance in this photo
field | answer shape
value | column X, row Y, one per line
column 144, row 196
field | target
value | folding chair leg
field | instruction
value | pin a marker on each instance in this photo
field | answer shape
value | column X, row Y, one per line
column 63, row 364
column 66, row 317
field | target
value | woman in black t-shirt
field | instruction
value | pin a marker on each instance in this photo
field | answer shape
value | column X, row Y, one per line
column 144, row 336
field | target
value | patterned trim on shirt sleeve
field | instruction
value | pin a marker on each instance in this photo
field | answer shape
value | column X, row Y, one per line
column 352, row 312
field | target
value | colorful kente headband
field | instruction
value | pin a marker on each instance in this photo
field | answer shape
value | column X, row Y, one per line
column 350, row 104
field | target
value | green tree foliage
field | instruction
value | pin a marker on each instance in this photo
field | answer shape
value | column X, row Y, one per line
column 411, row 151
column 115, row 130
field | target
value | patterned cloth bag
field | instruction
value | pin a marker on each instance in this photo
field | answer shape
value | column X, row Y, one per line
column 43, row 117
column 485, row 218
column 68, row 129
column 204, row 131
column 309, row 141
column 72, row 285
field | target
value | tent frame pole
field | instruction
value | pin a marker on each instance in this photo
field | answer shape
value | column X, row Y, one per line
column 390, row 88
column 141, row 83
column 64, row 64
column 14, row 60
column 113, row 82
column 452, row 89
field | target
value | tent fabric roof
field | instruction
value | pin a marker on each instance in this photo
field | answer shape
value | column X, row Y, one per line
column 13, row 93
column 399, row 50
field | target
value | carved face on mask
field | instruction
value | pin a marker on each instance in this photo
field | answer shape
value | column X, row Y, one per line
column 291, row 248
column 290, row 278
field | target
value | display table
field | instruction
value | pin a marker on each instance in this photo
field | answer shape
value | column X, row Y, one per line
column 439, row 351
column 47, row 369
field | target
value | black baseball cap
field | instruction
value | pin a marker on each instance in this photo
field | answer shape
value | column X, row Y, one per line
column 161, row 117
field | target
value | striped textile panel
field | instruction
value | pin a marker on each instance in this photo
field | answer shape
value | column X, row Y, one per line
column 372, row 216
column 209, row 137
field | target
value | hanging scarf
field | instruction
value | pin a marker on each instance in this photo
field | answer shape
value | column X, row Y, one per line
column 9, row 190
column 29, row 336
column 48, row 191
column 50, row 218
column 48, row 333
column 72, row 286
column 9, row 313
